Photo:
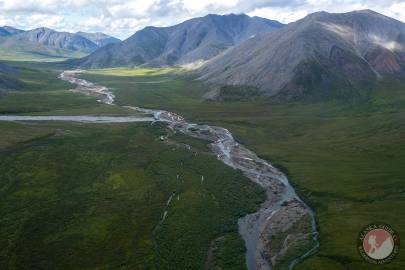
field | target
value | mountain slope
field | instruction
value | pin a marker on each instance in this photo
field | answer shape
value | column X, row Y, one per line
column 54, row 39
column 193, row 40
column 11, row 30
column 322, row 51
column 47, row 43
column 4, row 32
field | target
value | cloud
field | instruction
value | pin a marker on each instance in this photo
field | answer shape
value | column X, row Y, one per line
column 122, row 18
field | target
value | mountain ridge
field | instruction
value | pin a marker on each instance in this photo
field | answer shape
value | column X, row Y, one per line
column 197, row 39
column 323, row 50
column 46, row 41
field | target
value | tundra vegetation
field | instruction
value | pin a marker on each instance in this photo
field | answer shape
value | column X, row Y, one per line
column 343, row 155
column 88, row 196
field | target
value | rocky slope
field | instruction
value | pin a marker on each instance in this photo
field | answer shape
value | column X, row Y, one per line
column 322, row 52
column 193, row 40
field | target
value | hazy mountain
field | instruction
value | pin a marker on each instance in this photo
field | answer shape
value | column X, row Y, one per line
column 190, row 41
column 99, row 39
column 54, row 39
column 47, row 42
column 11, row 30
column 323, row 51
column 4, row 32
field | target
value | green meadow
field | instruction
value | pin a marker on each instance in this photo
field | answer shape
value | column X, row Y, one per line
column 77, row 196
column 43, row 93
column 87, row 196
column 31, row 53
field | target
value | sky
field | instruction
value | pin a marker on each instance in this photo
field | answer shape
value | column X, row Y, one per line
column 122, row 18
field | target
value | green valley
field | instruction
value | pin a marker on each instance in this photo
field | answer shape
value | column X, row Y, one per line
column 179, row 135
column 92, row 196
column 343, row 157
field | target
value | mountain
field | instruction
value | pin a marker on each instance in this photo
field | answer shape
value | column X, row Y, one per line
column 323, row 52
column 60, row 40
column 193, row 40
column 10, row 30
column 4, row 32
column 8, row 81
column 45, row 42
column 100, row 39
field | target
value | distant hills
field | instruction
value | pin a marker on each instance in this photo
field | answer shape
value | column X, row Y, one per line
column 194, row 40
column 99, row 39
column 6, row 31
column 48, row 42
column 320, row 54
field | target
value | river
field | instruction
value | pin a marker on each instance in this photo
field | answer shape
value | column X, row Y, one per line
column 277, row 214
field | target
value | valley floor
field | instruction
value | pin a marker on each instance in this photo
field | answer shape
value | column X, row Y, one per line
column 69, row 190
column 91, row 196
column 345, row 158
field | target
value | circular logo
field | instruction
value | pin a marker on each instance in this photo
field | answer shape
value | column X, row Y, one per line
column 378, row 243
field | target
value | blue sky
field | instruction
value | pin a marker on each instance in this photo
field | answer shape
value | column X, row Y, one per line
column 121, row 18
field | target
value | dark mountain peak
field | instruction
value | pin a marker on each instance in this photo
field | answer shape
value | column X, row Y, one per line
column 366, row 15
column 191, row 41
column 151, row 28
column 366, row 11
column 42, row 29
column 230, row 18
column 320, row 13
column 316, row 16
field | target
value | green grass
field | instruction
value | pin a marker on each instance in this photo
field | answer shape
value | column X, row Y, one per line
column 43, row 93
column 345, row 158
column 6, row 55
column 35, row 54
column 75, row 187
column 77, row 196
column 124, row 72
